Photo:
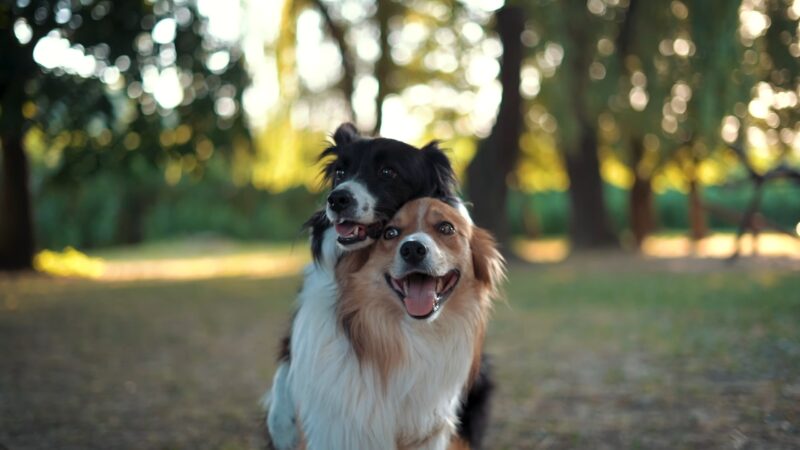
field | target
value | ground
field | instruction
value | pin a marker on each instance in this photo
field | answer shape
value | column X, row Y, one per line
column 611, row 351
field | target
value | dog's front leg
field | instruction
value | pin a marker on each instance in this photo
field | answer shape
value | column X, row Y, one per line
column 281, row 412
column 281, row 420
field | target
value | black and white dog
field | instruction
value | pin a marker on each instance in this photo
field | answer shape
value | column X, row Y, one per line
column 371, row 179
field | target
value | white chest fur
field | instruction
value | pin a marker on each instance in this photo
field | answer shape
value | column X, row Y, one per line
column 342, row 404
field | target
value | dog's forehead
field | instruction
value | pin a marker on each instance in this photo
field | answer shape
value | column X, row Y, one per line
column 439, row 211
column 426, row 212
column 380, row 150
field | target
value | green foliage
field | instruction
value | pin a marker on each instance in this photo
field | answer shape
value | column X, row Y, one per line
column 122, row 114
column 94, row 214
column 546, row 213
column 237, row 213
column 85, row 217
column 564, row 48
column 717, row 82
column 111, row 165
column 101, row 212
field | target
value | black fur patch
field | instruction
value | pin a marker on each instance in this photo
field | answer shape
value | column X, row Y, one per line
column 317, row 224
column 285, row 345
column 346, row 134
column 443, row 183
column 476, row 408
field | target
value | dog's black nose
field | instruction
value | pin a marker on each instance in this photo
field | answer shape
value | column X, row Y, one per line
column 413, row 252
column 339, row 200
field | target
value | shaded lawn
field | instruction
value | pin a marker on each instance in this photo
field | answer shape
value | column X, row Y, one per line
column 623, row 356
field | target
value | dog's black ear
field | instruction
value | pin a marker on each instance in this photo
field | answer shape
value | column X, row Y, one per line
column 346, row 134
column 443, row 177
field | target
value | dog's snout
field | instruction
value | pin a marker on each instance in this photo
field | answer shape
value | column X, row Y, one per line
column 340, row 200
column 413, row 252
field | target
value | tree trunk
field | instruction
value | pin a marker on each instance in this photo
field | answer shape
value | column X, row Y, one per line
column 588, row 226
column 497, row 155
column 697, row 218
column 129, row 228
column 641, row 211
column 16, row 228
column 384, row 67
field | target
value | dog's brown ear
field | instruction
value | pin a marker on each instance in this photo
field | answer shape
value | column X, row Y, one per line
column 346, row 134
column 487, row 262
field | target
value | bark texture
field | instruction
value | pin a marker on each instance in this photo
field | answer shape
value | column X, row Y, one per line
column 498, row 154
column 641, row 206
column 16, row 224
column 588, row 225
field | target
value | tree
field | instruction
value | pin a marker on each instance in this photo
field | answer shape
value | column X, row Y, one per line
column 773, row 111
column 712, row 85
column 338, row 33
column 568, row 54
column 413, row 57
column 647, row 66
column 143, row 83
column 498, row 154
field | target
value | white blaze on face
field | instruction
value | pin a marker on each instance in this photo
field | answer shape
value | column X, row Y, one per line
column 435, row 261
column 462, row 209
column 421, row 285
column 364, row 208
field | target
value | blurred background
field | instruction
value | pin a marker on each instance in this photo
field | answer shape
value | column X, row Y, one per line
column 600, row 122
column 639, row 161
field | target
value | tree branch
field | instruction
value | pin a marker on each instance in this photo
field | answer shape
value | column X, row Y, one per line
column 338, row 34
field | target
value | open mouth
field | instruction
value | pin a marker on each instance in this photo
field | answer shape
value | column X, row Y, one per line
column 423, row 294
column 351, row 232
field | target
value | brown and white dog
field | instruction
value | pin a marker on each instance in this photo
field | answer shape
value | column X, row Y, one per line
column 396, row 346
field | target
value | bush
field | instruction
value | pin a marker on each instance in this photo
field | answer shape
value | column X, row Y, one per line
column 547, row 213
column 105, row 210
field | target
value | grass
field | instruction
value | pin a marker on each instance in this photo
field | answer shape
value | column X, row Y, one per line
column 609, row 352
column 638, row 359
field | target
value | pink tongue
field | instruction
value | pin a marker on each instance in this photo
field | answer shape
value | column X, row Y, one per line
column 344, row 229
column 420, row 296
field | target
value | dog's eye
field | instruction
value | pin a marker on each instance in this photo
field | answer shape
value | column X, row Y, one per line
column 391, row 233
column 387, row 172
column 338, row 175
column 446, row 228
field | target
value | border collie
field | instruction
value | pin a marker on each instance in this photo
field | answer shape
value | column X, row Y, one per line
column 371, row 179
column 396, row 347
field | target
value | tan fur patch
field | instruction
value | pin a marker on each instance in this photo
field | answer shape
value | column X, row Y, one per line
column 489, row 264
column 371, row 326
column 458, row 444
